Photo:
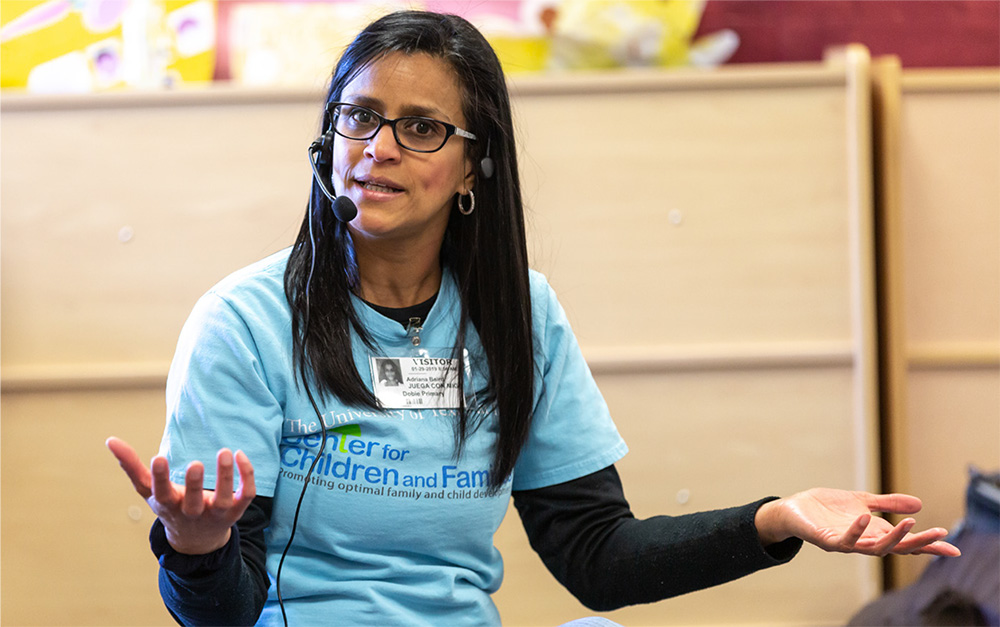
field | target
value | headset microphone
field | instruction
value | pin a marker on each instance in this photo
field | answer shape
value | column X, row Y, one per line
column 343, row 207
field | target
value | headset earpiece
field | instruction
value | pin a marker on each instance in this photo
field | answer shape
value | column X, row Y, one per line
column 323, row 145
column 486, row 165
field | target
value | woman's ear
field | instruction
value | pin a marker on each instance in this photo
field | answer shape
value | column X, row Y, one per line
column 470, row 177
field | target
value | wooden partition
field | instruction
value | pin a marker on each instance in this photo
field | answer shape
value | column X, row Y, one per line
column 940, row 237
column 119, row 210
column 708, row 233
column 715, row 260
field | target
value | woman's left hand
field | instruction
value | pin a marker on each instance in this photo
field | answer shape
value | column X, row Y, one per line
column 842, row 521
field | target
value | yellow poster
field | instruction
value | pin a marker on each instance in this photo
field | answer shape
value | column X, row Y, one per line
column 79, row 46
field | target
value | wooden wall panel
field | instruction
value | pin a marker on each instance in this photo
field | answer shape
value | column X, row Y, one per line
column 704, row 439
column 735, row 208
column 950, row 142
column 723, row 210
column 204, row 190
column 946, row 316
column 75, row 536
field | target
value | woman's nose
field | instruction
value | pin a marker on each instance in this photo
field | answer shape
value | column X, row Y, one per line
column 383, row 146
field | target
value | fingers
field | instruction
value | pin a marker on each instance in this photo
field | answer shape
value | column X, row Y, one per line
column 928, row 542
column 191, row 500
column 193, row 503
column 853, row 540
column 849, row 540
column 224, row 481
column 248, row 487
column 899, row 540
column 889, row 542
column 893, row 503
column 163, row 490
column 225, row 497
column 129, row 460
column 944, row 549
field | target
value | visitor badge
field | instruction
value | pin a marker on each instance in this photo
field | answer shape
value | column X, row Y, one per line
column 415, row 382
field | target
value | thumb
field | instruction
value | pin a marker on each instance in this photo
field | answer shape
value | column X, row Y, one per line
column 129, row 460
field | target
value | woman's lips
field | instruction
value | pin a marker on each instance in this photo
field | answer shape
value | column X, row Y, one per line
column 375, row 187
column 379, row 186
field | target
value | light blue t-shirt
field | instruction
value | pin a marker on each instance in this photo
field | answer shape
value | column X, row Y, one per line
column 393, row 530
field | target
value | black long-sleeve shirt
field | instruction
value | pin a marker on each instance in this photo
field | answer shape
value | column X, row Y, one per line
column 583, row 530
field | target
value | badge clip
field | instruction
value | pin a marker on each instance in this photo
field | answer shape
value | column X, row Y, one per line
column 413, row 329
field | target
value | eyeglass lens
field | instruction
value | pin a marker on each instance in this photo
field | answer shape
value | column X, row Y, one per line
column 415, row 133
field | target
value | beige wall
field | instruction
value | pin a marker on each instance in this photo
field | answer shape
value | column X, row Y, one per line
column 942, row 211
column 716, row 264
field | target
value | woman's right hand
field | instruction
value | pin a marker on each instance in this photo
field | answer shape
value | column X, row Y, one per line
column 197, row 521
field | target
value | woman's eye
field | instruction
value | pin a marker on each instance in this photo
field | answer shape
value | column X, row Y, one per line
column 360, row 116
column 421, row 127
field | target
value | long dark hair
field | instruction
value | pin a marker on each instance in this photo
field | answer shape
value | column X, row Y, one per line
column 486, row 251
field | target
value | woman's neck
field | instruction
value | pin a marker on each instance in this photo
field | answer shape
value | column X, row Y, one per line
column 398, row 276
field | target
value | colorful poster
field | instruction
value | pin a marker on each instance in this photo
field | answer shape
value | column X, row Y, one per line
column 79, row 46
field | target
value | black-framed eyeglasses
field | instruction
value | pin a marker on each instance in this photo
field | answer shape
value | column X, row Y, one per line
column 412, row 132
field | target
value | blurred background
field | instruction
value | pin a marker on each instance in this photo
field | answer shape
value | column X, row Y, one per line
column 90, row 45
column 785, row 274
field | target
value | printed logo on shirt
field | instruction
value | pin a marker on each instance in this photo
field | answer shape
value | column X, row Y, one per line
column 353, row 463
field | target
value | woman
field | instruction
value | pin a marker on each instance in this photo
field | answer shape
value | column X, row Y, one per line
column 400, row 496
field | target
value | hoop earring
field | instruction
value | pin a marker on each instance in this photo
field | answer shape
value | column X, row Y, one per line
column 472, row 204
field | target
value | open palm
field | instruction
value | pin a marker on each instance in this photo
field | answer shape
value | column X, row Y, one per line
column 842, row 521
column 196, row 520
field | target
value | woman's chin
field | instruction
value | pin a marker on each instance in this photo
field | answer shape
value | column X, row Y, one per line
column 385, row 225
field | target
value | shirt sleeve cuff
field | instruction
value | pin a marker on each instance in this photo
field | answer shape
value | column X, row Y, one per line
column 184, row 565
column 779, row 552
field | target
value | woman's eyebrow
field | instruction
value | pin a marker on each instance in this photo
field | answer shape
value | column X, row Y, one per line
column 427, row 112
column 365, row 101
column 409, row 109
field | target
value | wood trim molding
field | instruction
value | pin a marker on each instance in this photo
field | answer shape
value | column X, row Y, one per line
column 632, row 360
column 630, row 80
column 63, row 377
column 951, row 80
column 602, row 360
column 953, row 355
